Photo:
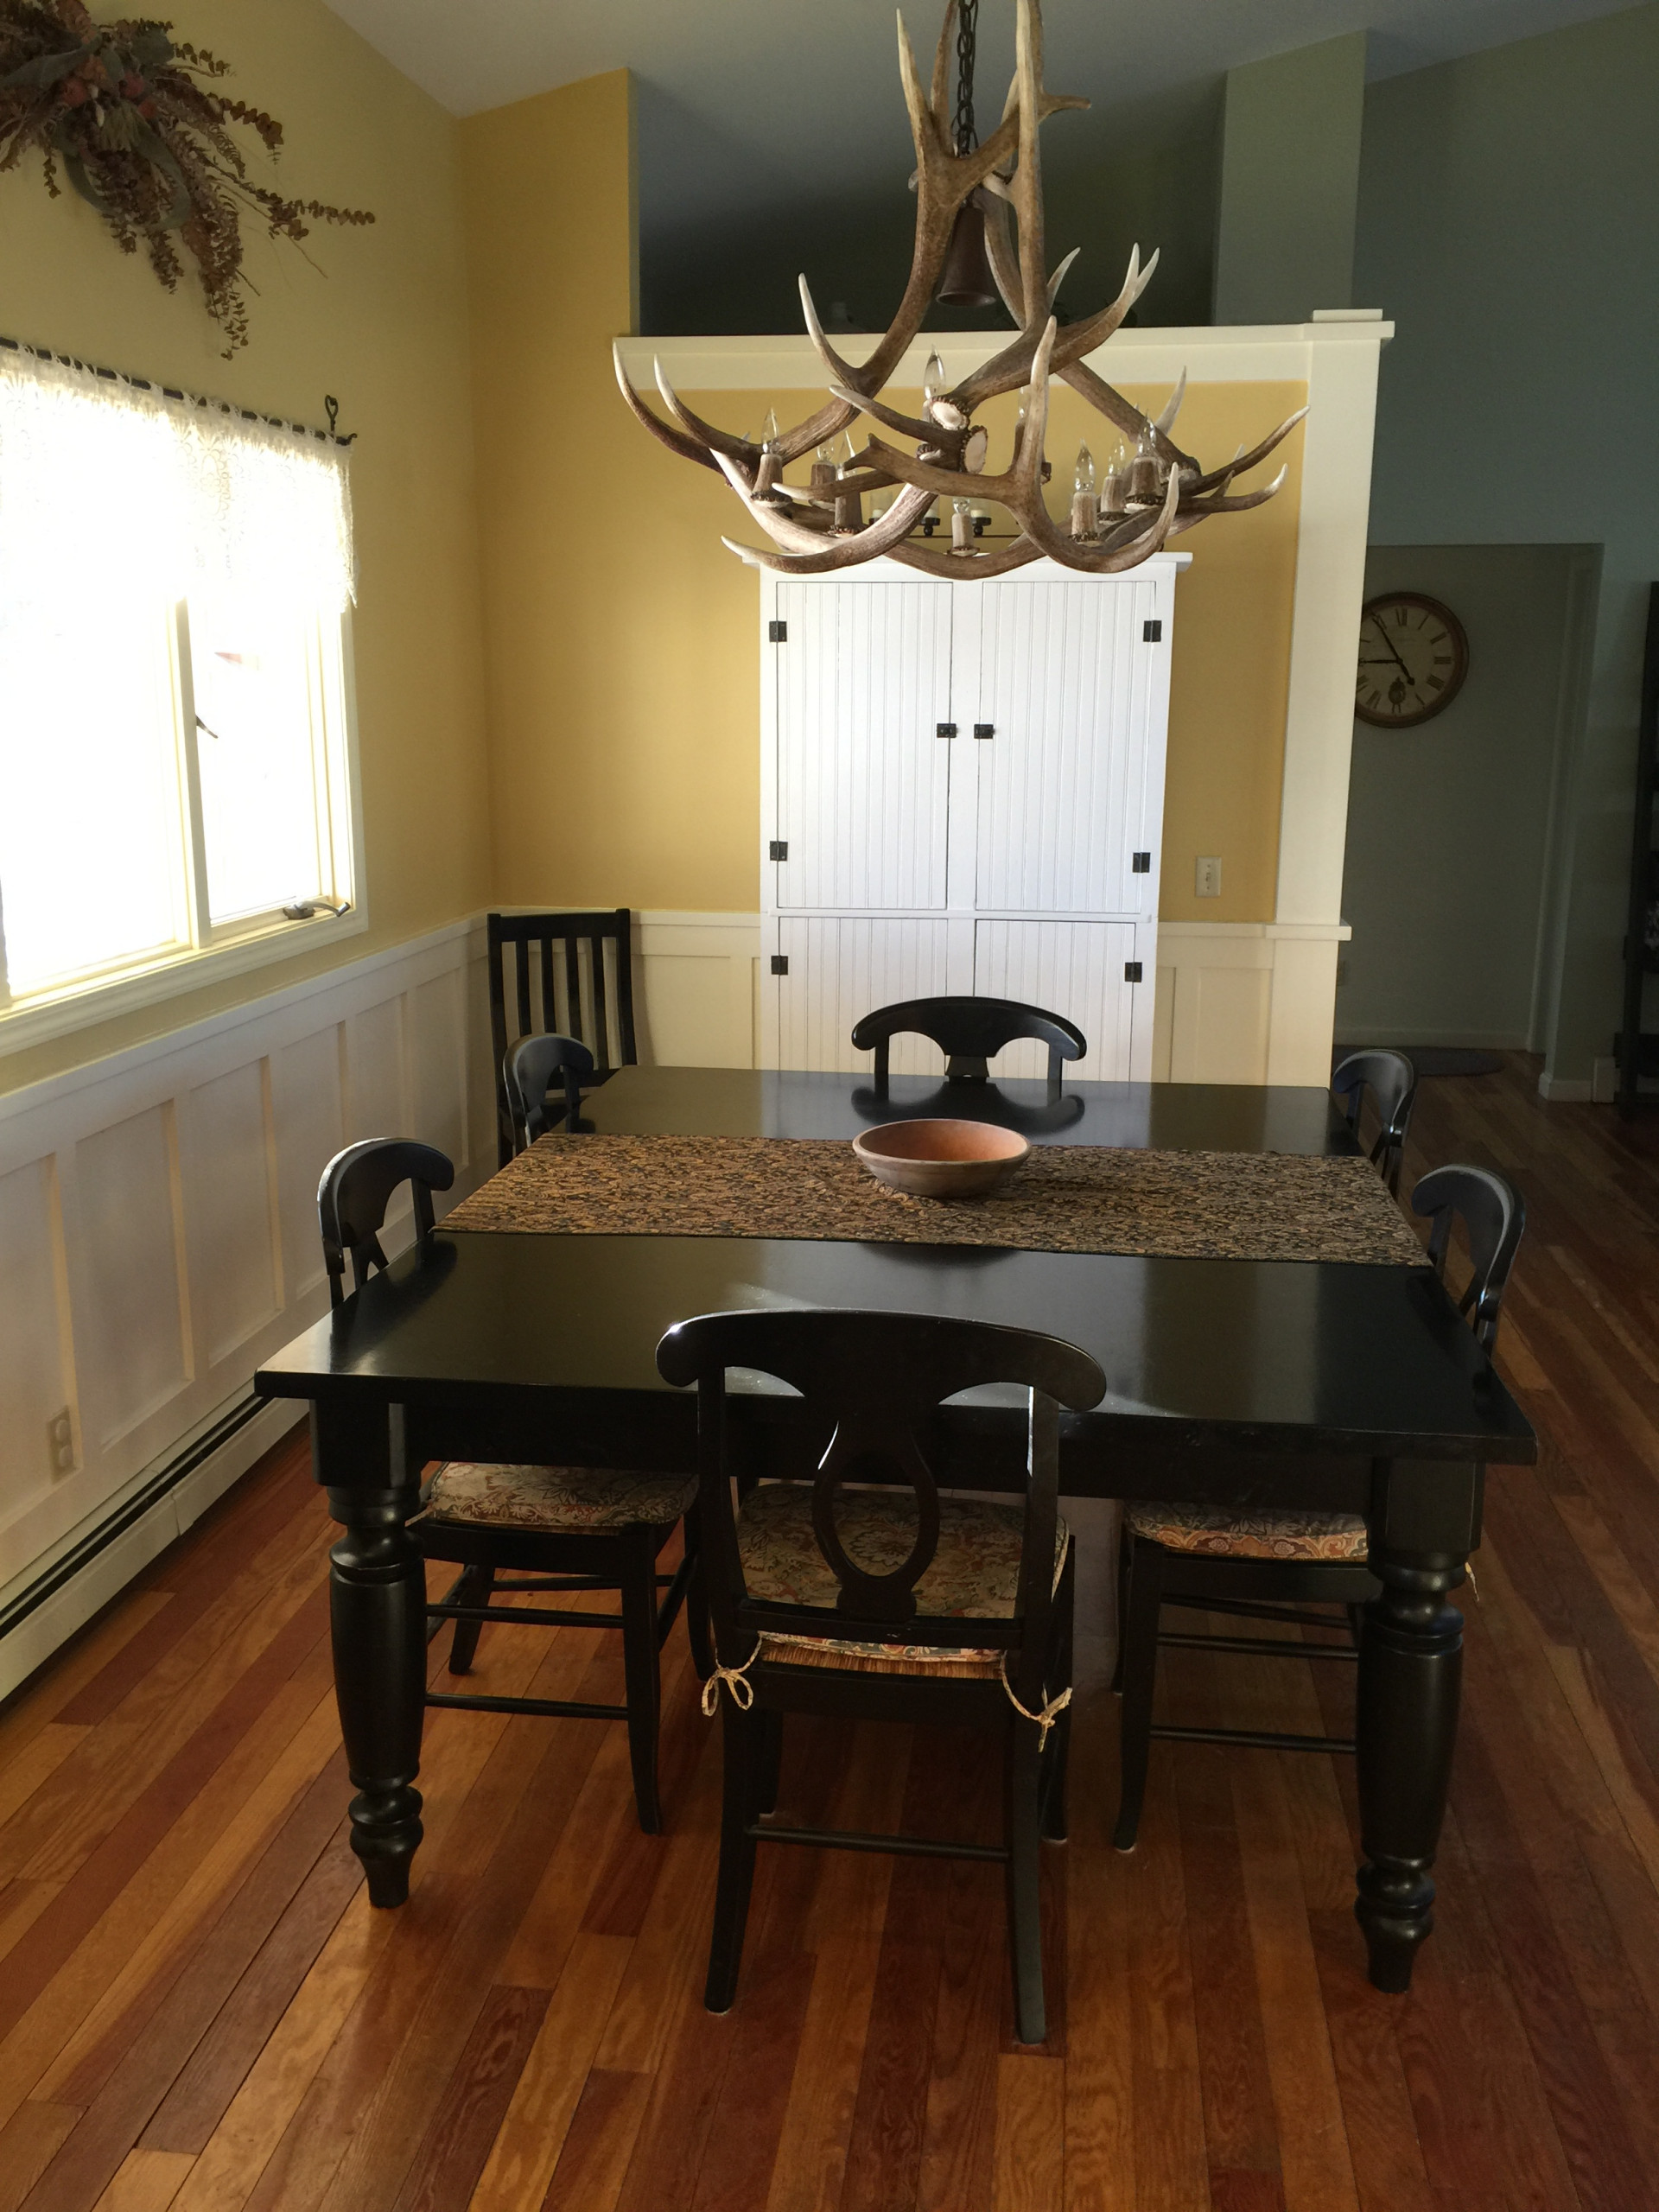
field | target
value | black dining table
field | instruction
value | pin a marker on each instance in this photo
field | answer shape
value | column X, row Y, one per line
column 1353, row 1387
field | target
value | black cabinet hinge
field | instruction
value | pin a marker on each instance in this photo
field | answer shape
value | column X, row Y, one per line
column 1131, row 971
column 944, row 729
column 778, row 849
column 984, row 729
column 1152, row 632
column 1140, row 863
column 780, row 963
column 776, row 633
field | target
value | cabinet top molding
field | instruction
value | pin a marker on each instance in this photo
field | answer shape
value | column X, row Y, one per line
column 1244, row 353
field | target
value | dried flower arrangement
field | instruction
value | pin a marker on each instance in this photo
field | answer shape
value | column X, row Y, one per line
column 129, row 112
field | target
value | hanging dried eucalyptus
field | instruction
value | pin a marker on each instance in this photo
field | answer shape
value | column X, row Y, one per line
column 129, row 112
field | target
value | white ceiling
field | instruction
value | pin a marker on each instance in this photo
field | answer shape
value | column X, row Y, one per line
column 797, row 100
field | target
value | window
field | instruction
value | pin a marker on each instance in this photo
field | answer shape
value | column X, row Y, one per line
column 174, row 754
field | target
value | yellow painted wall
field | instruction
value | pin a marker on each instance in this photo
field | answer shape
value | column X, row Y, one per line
column 624, row 669
column 381, row 321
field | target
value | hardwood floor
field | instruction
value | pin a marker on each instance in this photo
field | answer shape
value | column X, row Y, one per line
column 200, row 2011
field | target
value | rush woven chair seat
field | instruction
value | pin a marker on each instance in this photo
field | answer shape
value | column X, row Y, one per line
column 866, row 1594
column 1271, row 1563
column 969, row 1032
column 1209, row 1532
column 516, row 1530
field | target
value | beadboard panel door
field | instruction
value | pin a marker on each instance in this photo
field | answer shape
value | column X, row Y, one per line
column 158, row 1231
column 841, row 968
column 1075, row 969
column 861, row 681
column 1069, row 785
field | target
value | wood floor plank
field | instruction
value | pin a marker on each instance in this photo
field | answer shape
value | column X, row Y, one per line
column 458, row 2144
column 149, row 2180
column 28, row 2142
column 1030, row 2156
column 598, row 2144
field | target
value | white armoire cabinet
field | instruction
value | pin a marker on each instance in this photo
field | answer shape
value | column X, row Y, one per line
column 963, row 790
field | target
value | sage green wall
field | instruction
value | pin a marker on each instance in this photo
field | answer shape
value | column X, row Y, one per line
column 1508, row 223
column 1447, row 881
column 1290, row 138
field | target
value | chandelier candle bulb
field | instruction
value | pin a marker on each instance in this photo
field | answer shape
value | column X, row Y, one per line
column 933, row 383
column 1085, row 507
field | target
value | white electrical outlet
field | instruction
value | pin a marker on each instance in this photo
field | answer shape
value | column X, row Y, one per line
column 1208, row 874
column 60, row 1442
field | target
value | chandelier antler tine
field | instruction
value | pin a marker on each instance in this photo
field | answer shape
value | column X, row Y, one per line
column 1241, row 464
column 908, row 425
column 1058, row 277
column 778, row 520
column 876, row 537
column 1081, row 338
column 717, row 440
column 941, row 91
column 1234, row 503
column 676, row 441
column 840, row 372
column 1164, row 422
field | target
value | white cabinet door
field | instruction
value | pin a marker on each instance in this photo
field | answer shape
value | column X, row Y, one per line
column 1074, row 969
column 862, row 777
column 842, row 968
column 1074, row 691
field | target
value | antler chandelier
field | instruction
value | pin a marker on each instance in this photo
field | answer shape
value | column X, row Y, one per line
column 960, row 185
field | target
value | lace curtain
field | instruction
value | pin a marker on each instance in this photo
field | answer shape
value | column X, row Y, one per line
column 105, row 487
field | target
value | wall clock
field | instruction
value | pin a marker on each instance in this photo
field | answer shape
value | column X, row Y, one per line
column 1413, row 658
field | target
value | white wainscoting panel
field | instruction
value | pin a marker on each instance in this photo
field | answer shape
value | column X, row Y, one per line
column 1245, row 1001
column 158, row 1230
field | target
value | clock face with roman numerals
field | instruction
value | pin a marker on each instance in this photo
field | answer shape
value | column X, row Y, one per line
column 1413, row 658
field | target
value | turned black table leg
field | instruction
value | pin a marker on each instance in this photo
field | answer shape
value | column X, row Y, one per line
column 1410, row 1677
column 376, row 1597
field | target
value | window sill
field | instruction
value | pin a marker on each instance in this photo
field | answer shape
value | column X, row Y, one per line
column 33, row 1021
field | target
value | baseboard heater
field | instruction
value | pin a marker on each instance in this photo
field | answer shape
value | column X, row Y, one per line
column 24, row 1603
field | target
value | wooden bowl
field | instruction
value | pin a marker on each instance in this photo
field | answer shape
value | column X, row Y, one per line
column 941, row 1159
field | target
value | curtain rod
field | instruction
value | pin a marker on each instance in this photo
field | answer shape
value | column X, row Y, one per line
column 330, row 436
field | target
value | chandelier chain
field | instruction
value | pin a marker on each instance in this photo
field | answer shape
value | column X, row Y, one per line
column 967, row 38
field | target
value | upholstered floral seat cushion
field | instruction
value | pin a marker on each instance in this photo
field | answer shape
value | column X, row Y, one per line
column 974, row 1574
column 1238, row 1532
column 554, row 1501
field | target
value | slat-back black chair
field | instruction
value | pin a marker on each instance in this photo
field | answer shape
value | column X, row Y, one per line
column 530, row 1068
column 516, row 1529
column 969, row 1032
column 1273, row 1564
column 1391, row 1080
column 885, row 1600
column 581, row 990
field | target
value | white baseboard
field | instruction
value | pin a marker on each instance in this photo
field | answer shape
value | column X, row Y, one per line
column 61, row 1595
column 1564, row 1090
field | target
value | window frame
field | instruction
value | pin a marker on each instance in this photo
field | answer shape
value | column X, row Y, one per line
column 208, row 952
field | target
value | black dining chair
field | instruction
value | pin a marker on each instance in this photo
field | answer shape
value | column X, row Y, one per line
column 581, row 965
column 532, row 1065
column 969, row 1032
column 1391, row 1081
column 867, row 1593
column 1271, row 1563
column 514, row 1529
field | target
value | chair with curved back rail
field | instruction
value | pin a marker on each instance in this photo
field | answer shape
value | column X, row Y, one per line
column 532, row 1065
column 867, row 1594
column 1391, row 1082
column 969, row 1032
column 1273, row 1564
column 514, row 1529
